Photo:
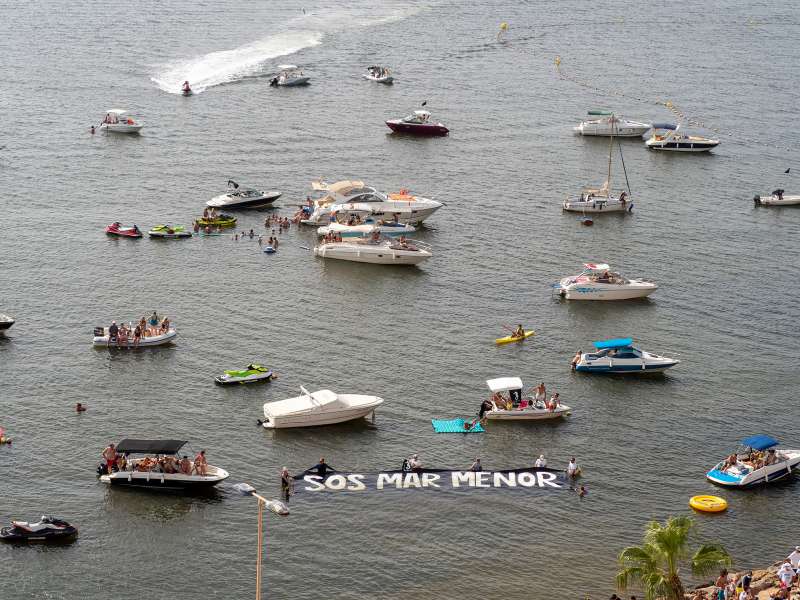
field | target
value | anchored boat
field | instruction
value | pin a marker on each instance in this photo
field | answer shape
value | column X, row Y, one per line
column 605, row 123
column 621, row 356
column 757, row 461
column 418, row 123
column 322, row 407
column 118, row 121
column 597, row 282
column 390, row 252
column 289, row 76
column 510, row 404
column 237, row 198
column 667, row 137
column 777, row 198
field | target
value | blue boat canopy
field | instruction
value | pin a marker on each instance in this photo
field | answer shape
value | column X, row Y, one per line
column 670, row 126
column 615, row 343
column 760, row 442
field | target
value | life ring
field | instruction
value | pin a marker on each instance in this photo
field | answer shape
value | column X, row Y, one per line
column 711, row 504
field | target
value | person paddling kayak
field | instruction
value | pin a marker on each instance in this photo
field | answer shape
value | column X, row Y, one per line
column 519, row 332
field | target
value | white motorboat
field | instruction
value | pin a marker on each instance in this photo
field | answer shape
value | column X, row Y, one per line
column 377, row 252
column 353, row 198
column 101, row 339
column 597, row 282
column 322, row 407
column 243, row 198
column 5, row 322
column 378, row 75
column 119, row 121
column 606, row 123
column 667, row 136
column 776, row 198
column 621, row 356
column 518, row 407
column 289, row 76
column 758, row 461
column 150, row 471
column 366, row 229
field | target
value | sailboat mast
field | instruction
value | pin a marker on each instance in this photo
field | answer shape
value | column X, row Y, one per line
column 610, row 148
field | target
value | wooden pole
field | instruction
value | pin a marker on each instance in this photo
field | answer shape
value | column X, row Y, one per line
column 260, row 545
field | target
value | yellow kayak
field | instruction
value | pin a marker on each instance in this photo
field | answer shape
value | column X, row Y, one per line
column 708, row 503
column 511, row 338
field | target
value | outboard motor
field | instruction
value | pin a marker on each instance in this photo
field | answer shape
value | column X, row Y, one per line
column 757, row 199
column 99, row 331
column 101, row 469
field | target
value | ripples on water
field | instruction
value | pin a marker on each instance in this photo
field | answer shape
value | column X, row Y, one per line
column 421, row 338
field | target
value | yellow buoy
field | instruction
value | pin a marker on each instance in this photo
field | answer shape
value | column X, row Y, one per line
column 708, row 503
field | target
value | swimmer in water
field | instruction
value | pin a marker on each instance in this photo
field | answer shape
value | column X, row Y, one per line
column 80, row 407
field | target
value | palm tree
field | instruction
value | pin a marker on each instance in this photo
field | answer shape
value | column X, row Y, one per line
column 656, row 563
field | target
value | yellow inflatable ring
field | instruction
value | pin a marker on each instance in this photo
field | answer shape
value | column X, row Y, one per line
column 708, row 503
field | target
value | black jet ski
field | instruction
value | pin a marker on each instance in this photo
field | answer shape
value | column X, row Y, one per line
column 48, row 529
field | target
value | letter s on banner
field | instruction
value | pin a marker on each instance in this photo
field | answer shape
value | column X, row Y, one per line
column 315, row 481
column 356, row 482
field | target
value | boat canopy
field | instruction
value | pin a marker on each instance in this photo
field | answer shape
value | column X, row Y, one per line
column 504, row 384
column 669, row 126
column 338, row 186
column 615, row 343
column 600, row 113
column 599, row 267
column 150, row 446
column 760, row 442
column 116, row 111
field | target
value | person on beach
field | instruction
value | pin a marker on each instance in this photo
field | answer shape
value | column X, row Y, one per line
column 720, row 584
column 794, row 559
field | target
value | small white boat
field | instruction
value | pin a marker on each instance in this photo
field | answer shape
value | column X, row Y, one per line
column 118, row 121
column 378, row 75
column 758, row 461
column 289, row 76
column 621, row 356
column 146, row 471
column 604, row 123
column 667, row 137
column 597, row 282
column 366, row 229
column 5, row 322
column 522, row 408
column 323, row 407
column 101, row 339
column 389, row 252
column 776, row 198
column 243, row 198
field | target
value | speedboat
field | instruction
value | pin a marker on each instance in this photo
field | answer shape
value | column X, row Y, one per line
column 118, row 121
column 243, row 198
column 621, row 356
column 776, row 198
column 323, row 407
column 667, row 137
column 418, row 123
column 169, row 232
column 378, row 75
column 757, row 461
column 597, row 282
column 518, row 407
column 378, row 252
column 117, row 229
column 252, row 374
column 289, row 76
column 101, row 339
column 47, row 530
column 220, row 220
column 5, row 322
column 605, row 123
column 148, row 470
column 601, row 200
column 366, row 229
column 354, row 199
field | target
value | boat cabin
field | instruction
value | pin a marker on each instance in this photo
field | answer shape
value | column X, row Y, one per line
column 116, row 116
column 420, row 117
column 614, row 348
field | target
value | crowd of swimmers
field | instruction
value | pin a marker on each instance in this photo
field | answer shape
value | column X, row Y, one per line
column 126, row 335
column 118, row 461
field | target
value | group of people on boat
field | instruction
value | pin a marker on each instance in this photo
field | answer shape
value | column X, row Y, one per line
column 331, row 237
column 125, row 335
column 536, row 398
column 377, row 71
column 754, row 460
column 303, row 212
column 117, row 461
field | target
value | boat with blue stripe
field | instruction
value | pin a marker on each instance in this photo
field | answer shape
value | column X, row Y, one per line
column 757, row 461
column 619, row 355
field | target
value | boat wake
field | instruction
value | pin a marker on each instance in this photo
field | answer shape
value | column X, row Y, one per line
column 226, row 66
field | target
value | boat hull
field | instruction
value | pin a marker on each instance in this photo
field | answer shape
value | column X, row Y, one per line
column 593, row 291
column 385, row 80
column 773, row 200
column 682, row 146
column 120, row 128
column 763, row 476
column 164, row 481
column 293, row 82
column 316, row 420
column 600, row 205
column 526, row 414
column 240, row 203
column 6, row 322
column 145, row 342
column 375, row 256
column 620, row 367
column 420, row 129
column 607, row 131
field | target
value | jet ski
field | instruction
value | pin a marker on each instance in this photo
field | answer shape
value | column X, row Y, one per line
column 251, row 374
column 170, row 233
column 220, row 220
column 48, row 529
column 186, row 90
column 117, row 229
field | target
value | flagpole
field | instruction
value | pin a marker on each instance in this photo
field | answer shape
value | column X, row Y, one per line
column 277, row 507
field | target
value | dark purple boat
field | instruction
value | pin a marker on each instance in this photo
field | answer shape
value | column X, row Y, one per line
column 418, row 123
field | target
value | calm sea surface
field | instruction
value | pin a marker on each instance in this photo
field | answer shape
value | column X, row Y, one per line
column 420, row 338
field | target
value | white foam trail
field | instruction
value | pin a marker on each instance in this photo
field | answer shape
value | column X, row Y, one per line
column 225, row 66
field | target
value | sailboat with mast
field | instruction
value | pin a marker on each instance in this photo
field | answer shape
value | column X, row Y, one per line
column 604, row 199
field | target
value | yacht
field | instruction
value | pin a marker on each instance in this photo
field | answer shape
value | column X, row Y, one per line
column 243, row 198
column 377, row 252
column 597, row 282
column 118, row 121
column 418, row 123
column 776, row 198
column 604, row 123
column 366, row 229
column 518, row 407
column 353, row 198
column 667, row 137
column 289, row 76
column 757, row 461
column 601, row 200
column 621, row 356
column 322, row 407
column 378, row 75
column 147, row 471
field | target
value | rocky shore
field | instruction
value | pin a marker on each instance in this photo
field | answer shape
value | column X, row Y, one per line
column 764, row 584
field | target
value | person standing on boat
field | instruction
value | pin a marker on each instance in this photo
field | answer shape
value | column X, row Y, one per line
column 201, row 464
column 154, row 320
column 541, row 393
column 113, row 333
column 110, row 456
